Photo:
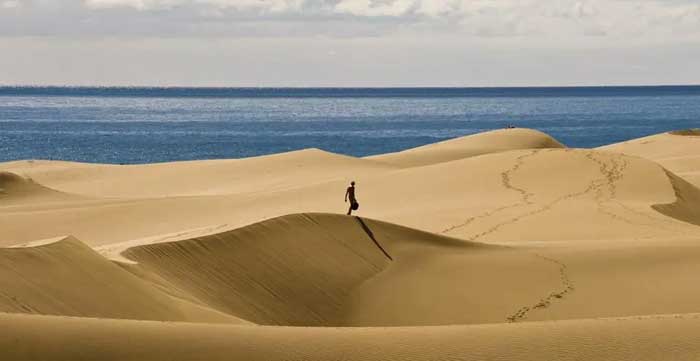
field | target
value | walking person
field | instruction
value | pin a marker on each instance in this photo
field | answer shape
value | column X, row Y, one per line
column 350, row 193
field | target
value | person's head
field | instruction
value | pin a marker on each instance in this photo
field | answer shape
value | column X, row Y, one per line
column 352, row 183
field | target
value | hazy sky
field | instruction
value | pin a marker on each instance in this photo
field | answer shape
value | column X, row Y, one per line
column 349, row 42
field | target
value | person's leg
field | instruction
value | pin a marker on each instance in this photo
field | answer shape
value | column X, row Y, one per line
column 350, row 209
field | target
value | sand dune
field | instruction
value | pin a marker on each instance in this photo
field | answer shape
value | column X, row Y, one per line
column 469, row 146
column 293, row 270
column 471, row 242
column 15, row 189
column 269, row 273
column 66, row 277
column 686, row 207
column 679, row 152
column 504, row 197
column 331, row 270
column 645, row 338
column 209, row 177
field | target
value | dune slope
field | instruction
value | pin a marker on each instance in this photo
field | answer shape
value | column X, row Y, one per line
column 332, row 270
column 679, row 152
column 646, row 338
column 292, row 270
column 469, row 146
column 686, row 207
column 507, row 197
column 268, row 173
column 68, row 278
column 15, row 189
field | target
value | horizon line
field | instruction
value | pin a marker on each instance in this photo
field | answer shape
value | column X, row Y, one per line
column 30, row 86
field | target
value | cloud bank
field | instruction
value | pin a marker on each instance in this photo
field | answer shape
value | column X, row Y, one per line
column 349, row 42
column 348, row 18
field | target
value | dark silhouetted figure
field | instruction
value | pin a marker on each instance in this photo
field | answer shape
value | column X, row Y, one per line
column 350, row 193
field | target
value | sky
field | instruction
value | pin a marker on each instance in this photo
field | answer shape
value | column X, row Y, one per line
column 348, row 43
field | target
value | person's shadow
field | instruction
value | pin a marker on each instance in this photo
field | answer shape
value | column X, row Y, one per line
column 371, row 236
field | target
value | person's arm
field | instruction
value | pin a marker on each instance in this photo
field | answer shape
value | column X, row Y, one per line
column 346, row 194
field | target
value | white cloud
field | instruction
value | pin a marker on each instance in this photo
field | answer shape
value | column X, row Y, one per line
column 10, row 4
column 644, row 20
column 376, row 8
column 349, row 42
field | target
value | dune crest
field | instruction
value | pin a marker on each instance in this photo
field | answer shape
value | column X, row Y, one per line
column 264, row 174
column 469, row 146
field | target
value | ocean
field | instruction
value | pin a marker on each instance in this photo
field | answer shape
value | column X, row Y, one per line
column 145, row 125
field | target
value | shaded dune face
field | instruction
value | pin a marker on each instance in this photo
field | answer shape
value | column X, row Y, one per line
column 690, row 132
column 68, row 278
column 15, row 189
column 686, row 207
column 13, row 185
column 331, row 270
column 9, row 180
column 294, row 270
column 298, row 270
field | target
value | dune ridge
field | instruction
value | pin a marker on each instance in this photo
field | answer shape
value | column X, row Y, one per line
column 267, row 173
column 468, row 146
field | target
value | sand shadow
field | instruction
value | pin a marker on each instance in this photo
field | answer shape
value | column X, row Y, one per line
column 371, row 236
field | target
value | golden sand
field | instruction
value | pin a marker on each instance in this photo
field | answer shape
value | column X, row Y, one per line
column 503, row 245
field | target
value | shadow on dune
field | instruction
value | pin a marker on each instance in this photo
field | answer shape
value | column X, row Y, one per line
column 686, row 132
column 17, row 189
column 687, row 205
column 371, row 236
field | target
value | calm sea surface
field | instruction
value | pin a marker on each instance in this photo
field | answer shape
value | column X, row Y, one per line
column 142, row 125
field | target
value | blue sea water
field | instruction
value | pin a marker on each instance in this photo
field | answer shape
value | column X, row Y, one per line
column 143, row 125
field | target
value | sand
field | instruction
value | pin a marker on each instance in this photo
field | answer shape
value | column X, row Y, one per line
column 677, row 151
column 503, row 245
column 470, row 146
